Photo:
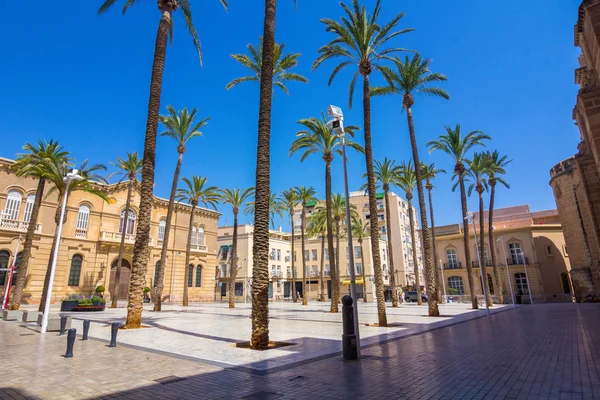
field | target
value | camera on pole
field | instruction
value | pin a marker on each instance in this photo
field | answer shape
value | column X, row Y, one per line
column 337, row 120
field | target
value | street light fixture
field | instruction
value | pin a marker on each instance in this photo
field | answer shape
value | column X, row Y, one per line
column 470, row 219
column 72, row 175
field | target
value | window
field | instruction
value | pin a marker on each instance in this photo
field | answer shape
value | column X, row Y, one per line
column 516, row 254
column 451, row 257
column 456, row 283
column 16, row 271
column 156, row 268
column 199, row 276
column 306, row 255
column 4, row 257
column 130, row 222
column 485, row 255
column 13, row 205
column 566, row 283
column 327, row 254
column 381, row 217
column 28, row 207
column 357, row 252
column 314, row 255
column 358, row 268
column 549, row 251
column 83, row 219
column 327, row 270
column 490, row 284
column 239, row 288
column 272, row 254
column 315, row 271
column 287, row 256
column 521, row 279
column 279, row 271
column 161, row 229
column 75, row 272
column 190, row 275
column 288, row 271
column 295, row 259
column 198, row 235
column 278, row 255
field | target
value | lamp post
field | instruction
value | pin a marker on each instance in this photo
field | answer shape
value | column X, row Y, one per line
column 443, row 280
column 245, row 281
column 527, row 278
column 337, row 123
column 470, row 219
column 11, row 272
column 512, row 293
column 70, row 176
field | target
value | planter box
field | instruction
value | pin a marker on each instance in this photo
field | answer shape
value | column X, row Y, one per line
column 30, row 316
column 53, row 322
column 67, row 305
column 99, row 303
column 88, row 308
column 9, row 315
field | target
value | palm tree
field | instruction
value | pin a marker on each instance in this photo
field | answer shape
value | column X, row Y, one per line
column 320, row 139
column 196, row 192
column 496, row 168
column 457, row 147
column 406, row 179
column 411, row 78
column 35, row 163
column 429, row 173
column 142, row 237
column 305, row 194
column 130, row 168
column 362, row 41
column 477, row 175
column 288, row 201
column 385, row 173
column 318, row 228
column 235, row 198
column 181, row 128
column 275, row 209
column 55, row 174
column 281, row 74
column 360, row 231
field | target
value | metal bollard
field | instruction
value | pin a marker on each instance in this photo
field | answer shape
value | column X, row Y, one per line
column 63, row 325
column 113, row 334
column 349, row 336
column 70, row 342
column 86, row 329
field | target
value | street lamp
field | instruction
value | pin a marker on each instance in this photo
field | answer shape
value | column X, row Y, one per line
column 70, row 176
column 469, row 219
column 512, row 293
column 443, row 280
column 337, row 123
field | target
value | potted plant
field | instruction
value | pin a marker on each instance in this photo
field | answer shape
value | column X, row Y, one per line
column 100, row 291
column 68, row 303
column 146, row 295
column 98, row 301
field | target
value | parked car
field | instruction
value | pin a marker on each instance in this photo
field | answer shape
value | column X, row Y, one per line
column 412, row 296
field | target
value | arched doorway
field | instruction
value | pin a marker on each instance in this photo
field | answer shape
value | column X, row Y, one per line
column 123, row 279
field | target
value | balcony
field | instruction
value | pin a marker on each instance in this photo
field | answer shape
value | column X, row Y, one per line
column 517, row 260
column 198, row 248
column 81, row 233
column 115, row 237
column 475, row 264
column 456, row 265
column 17, row 226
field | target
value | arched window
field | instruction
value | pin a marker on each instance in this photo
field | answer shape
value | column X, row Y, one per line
column 566, row 283
column 199, row 276
column 28, row 207
column 75, row 272
column 190, row 281
column 198, row 235
column 13, row 205
column 17, row 265
column 490, row 284
column 130, row 222
column 516, row 254
column 83, row 218
column 4, row 257
column 161, row 229
column 521, row 279
column 156, row 268
column 456, row 283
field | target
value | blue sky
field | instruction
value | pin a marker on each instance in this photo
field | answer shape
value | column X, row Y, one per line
column 83, row 79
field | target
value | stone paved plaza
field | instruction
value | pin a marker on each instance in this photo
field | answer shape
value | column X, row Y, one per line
column 535, row 352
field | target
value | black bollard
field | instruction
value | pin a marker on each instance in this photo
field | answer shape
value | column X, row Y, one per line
column 113, row 334
column 63, row 325
column 86, row 329
column 349, row 336
column 70, row 342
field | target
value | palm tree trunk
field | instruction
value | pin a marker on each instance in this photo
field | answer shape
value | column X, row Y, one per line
column 121, row 248
column 463, row 202
column 497, row 274
column 335, row 289
column 434, row 249
column 303, row 227
column 321, row 272
column 17, row 293
column 234, row 257
column 390, row 249
column 362, row 255
column 481, row 252
column 260, row 248
column 411, row 220
column 382, row 317
column 160, row 281
column 187, row 258
column 426, row 237
column 47, row 277
column 294, row 294
column 141, row 253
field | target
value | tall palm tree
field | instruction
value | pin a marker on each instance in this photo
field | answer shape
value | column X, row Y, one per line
column 130, row 168
column 317, row 227
column 496, row 168
column 428, row 174
column 360, row 231
column 275, row 209
column 180, row 126
column 142, row 237
column 413, row 77
column 34, row 163
column 235, row 198
column 318, row 138
column 477, row 175
column 196, row 192
column 385, row 173
column 283, row 64
column 362, row 42
column 305, row 194
column 406, row 179
column 289, row 201
column 55, row 174
column 457, row 147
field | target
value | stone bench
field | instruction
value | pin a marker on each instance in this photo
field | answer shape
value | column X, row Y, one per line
column 30, row 316
column 11, row 315
column 53, row 322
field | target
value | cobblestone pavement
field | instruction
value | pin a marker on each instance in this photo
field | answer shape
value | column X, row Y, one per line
column 536, row 352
